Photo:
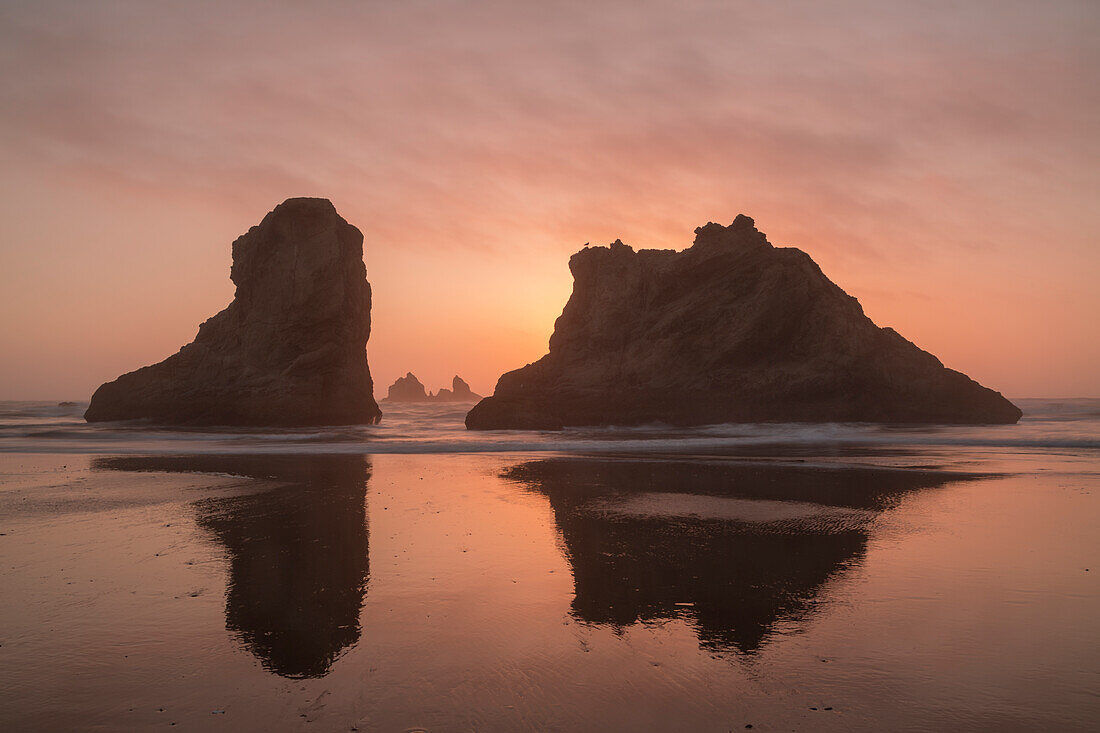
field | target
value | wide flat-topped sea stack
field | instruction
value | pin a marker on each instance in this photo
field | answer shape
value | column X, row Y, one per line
column 731, row 329
column 289, row 350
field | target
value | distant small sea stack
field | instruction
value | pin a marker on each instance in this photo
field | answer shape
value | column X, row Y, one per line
column 732, row 329
column 409, row 389
column 290, row 349
column 459, row 392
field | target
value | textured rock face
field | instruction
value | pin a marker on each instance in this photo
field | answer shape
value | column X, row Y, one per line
column 407, row 389
column 730, row 330
column 289, row 350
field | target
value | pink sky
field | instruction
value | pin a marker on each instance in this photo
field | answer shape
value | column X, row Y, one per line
column 939, row 160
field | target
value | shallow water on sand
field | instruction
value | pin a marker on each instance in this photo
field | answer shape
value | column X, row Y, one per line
column 929, row 582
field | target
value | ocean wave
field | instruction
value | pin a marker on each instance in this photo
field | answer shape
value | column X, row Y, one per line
column 275, row 444
column 421, row 429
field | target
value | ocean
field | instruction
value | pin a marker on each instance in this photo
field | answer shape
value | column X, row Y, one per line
column 1048, row 426
column 415, row 576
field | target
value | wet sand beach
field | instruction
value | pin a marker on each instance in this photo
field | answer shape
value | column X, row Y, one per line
column 851, row 590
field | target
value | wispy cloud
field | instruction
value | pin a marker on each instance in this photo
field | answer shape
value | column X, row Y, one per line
column 876, row 135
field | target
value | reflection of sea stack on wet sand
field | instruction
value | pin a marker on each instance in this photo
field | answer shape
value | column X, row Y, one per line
column 289, row 350
column 736, row 548
column 298, row 550
column 731, row 329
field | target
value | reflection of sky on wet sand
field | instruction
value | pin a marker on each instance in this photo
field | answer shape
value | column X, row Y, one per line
column 712, row 551
column 513, row 592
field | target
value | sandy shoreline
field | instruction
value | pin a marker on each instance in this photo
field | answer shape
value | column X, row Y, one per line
column 505, row 592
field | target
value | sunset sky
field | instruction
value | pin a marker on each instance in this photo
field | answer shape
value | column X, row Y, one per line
column 939, row 160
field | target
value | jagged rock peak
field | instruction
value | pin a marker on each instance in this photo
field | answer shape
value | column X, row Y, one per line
column 406, row 389
column 461, row 392
column 290, row 349
column 409, row 389
column 742, row 232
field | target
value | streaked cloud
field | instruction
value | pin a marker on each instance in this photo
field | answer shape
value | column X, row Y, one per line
column 935, row 149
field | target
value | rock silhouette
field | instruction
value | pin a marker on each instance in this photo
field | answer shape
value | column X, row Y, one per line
column 459, row 392
column 731, row 329
column 289, row 350
column 409, row 389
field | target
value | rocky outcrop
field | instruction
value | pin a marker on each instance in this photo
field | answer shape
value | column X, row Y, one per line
column 731, row 329
column 409, row 389
column 459, row 392
column 289, row 350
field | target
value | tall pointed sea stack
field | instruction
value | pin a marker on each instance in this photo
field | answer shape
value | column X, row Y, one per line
column 731, row 329
column 289, row 350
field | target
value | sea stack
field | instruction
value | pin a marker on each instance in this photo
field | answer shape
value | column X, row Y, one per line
column 407, row 389
column 732, row 329
column 289, row 350
column 459, row 392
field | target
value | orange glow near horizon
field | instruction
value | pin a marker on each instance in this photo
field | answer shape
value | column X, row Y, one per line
column 940, row 164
